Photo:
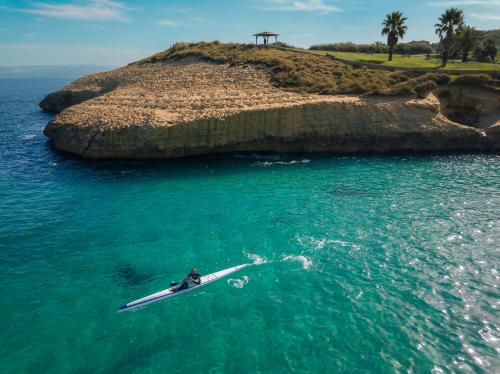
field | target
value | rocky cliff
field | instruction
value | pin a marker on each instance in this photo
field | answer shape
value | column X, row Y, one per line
column 175, row 108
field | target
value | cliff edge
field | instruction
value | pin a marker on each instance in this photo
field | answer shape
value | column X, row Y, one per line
column 212, row 98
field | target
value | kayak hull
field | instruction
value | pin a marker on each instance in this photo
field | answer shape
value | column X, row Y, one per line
column 169, row 292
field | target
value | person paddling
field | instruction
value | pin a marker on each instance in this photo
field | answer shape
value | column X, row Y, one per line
column 190, row 280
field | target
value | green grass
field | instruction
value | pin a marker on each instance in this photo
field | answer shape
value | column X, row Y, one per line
column 409, row 62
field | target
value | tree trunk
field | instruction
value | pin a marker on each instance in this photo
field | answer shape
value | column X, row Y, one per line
column 391, row 52
column 445, row 57
column 465, row 56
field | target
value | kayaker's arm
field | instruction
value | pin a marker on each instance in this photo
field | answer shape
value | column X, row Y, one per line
column 182, row 280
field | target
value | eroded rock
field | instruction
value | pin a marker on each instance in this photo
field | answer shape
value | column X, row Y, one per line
column 472, row 106
column 166, row 110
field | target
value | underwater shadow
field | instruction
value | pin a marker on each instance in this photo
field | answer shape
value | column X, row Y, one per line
column 349, row 191
column 128, row 276
column 199, row 166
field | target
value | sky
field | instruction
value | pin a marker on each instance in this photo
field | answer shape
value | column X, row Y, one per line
column 117, row 32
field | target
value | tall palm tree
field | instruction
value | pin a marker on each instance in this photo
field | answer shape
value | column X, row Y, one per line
column 449, row 21
column 394, row 27
column 467, row 39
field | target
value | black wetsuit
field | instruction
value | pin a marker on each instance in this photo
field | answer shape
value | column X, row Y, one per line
column 194, row 277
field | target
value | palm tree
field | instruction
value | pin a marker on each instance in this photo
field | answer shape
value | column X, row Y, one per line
column 467, row 39
column 450, row 20
column 394, row 27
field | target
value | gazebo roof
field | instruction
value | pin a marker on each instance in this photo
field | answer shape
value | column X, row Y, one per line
column 266, row 33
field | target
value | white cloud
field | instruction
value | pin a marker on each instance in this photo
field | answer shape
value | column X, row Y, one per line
column 93, row 10
column 319, row 6
column 167, row 22
column 486, row 17
column 463, row 2
column 481, row 10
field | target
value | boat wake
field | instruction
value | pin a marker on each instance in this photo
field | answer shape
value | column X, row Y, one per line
column 314, row 244
column 305, row 261
column 238, row 283
column 256, row 259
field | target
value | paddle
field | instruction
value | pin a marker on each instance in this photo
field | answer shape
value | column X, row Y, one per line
column 173, row 284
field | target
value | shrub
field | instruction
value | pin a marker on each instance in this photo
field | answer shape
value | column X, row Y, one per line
column 483, row 81
column 283, row 45
column 486, row 51
column 414, row 48
column 340, row 47
column 411, row 48
column 473, row 79
column 423, row 89
column 420, row 86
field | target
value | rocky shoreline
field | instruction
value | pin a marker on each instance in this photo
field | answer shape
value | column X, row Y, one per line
column 190, row 107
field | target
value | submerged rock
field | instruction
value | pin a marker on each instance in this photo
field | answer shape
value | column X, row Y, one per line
column 176, row 109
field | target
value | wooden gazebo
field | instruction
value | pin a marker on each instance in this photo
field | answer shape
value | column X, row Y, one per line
column 265, row 35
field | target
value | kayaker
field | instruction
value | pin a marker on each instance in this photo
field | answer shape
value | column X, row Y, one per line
column 193, row 277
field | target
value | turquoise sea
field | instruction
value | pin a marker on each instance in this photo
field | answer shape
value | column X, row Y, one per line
column 362, row 264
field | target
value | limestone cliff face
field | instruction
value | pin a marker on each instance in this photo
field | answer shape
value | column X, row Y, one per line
column 473, row 106
column 167, row 110
column 80, row 90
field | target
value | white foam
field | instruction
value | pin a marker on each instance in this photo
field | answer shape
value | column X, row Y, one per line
column 309, row 241
column 344, row 244
column 306, row 262
column 27, row 137
column 452, row 238
column 293, row 162
column 256, row 259
column 238, row 283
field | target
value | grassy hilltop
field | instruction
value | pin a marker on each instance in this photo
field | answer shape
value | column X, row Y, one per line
column 305, row 72
column 288, row 68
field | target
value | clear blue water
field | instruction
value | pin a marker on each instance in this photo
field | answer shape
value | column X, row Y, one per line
column 362, row 264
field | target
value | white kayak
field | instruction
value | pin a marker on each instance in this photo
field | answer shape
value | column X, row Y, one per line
column 170, row 292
